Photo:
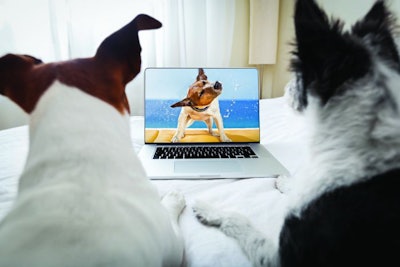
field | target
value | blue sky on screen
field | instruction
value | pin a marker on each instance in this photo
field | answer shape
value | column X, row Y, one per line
column 173, row 83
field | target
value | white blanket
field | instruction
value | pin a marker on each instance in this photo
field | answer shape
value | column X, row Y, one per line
column 282, row 132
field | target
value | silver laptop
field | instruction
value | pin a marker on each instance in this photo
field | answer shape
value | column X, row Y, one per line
column 203, row 123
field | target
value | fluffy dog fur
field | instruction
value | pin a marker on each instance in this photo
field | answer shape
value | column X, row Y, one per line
column 83, row 197
column 344, row 207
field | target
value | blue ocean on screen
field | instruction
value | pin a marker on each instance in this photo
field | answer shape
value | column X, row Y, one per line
column 235, row 114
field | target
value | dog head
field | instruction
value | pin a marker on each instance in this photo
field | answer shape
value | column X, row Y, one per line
column 117, row 61
column 330, row 63
column 348, row 82
column 201, row 93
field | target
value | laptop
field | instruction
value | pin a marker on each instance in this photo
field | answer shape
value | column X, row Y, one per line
column 197, row 153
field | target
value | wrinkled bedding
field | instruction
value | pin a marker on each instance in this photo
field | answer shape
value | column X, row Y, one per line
column 282, row 132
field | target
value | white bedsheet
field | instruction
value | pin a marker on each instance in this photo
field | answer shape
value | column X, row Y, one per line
column 282, row 132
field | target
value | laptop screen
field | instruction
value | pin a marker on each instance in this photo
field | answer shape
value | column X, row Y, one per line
column 182, row 103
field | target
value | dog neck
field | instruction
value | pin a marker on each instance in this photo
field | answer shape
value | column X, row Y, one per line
column 199, row 109
column 356, row 149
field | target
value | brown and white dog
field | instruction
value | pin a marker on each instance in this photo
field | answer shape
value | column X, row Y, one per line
column 83, row 197
column 201, row 104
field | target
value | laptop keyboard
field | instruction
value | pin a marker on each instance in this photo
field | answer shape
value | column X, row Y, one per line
column 203, row 152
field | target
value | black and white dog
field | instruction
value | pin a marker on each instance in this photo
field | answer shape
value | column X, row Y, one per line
column 344, row 209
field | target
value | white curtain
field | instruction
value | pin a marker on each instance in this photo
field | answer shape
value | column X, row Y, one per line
column 194, row 32
column 207, row 33
column 264, row 25
column 79, row 26
column 197, row 33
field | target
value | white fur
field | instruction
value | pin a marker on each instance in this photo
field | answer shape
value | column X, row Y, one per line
column 341, row 151
column 188, row 116
column 84, row 199
column 258, row 248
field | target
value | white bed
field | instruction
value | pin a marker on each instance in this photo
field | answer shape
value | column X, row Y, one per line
column 282, row 132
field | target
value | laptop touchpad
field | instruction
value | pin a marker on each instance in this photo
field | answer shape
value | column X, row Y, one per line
column 202, row 166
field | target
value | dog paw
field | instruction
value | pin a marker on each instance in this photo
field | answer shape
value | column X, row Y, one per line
column 174, row 139
column 174, row 202
column 283, row 183
column 206, row 214
column 225, row 138
column 177, row 137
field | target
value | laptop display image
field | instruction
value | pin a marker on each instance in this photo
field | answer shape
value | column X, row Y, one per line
column 203, row 123
column 238, row 105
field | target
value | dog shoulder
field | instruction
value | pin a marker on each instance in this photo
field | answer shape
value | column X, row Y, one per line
column 214, row 106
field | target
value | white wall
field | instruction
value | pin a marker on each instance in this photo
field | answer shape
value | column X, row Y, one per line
column 10, row 114
column 352, row 10
column 348, row 10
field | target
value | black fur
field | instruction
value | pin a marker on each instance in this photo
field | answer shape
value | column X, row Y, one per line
column 326, row 58
column 378, row 26
column 352, row 226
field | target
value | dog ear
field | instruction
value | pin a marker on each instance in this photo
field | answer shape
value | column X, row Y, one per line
column 325, row 57
column 121, row 50
column 145, row 22
column 7, row 64
column 15, row 80
column 377, row 26
column 183, row 103
column 201, row 76
column 12, row 69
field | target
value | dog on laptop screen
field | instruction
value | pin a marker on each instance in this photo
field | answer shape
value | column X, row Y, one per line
column 343, row 208
column 201, row 104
